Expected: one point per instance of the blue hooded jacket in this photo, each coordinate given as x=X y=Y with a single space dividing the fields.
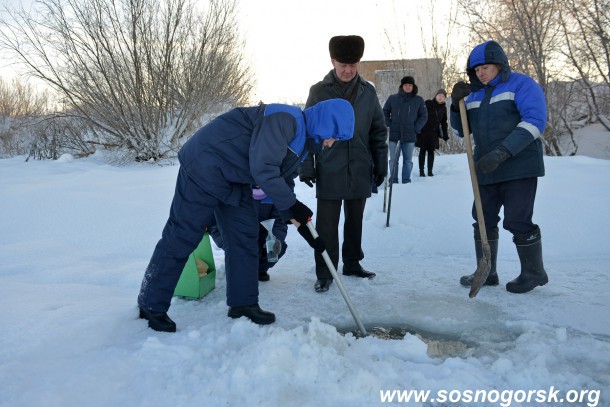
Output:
x=262 y=146
x=509 y=111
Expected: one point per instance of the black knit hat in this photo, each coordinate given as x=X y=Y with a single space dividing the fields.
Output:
x=407 y=79
x=347 y=49
x=441 y=92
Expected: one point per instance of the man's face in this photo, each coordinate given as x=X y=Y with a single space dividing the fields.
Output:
x=487 y=72
x=407 y=87
x=345 y=72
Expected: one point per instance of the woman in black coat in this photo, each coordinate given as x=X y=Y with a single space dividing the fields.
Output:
x=435 y=128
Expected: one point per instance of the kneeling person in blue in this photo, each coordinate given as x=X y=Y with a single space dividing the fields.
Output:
x=262 y=145
x=266 y=211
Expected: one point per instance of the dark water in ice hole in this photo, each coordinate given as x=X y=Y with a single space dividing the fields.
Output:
x=439 y=345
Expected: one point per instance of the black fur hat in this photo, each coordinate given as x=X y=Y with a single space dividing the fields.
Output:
x=347 y=49
x=407 y=79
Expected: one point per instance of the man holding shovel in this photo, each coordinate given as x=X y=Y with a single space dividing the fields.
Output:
x=506 y=114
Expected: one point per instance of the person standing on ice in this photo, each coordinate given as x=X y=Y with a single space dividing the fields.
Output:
x=405 y=115
x=434 y=129
x=507 y=116
x=343 y=173
x=245 y=147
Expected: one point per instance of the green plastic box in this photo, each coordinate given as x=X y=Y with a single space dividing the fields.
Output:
x=191 y=285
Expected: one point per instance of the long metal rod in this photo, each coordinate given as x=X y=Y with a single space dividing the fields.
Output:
x=392 y=174
x=335 y=275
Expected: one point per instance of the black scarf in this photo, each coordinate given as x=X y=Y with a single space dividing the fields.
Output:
x=347 y=90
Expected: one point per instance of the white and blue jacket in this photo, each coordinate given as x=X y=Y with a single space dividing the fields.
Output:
x=509 y=111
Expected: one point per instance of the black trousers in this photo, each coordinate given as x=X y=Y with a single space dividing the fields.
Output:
x=517 y=197
x=327 y=225
x=422 y=158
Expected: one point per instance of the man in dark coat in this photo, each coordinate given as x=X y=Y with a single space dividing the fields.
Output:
x=343 y=173
x=245 y=147
x=434 y=129
x=405 y=115
x=506 y=115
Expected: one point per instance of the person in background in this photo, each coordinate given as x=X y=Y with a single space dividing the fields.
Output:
x=266 y=211
x=405 y=115
x=342 y=174
x=507 y=115
x=261 y=145
x=434 y=129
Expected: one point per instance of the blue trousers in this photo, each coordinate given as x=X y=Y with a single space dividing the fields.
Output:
x=192 y=210
x=517 y=197
x=407 y=161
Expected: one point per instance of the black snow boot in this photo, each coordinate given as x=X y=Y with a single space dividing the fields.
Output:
x=430 y=164
x=421 y=172
x=252 y=312
x=159 y=321
x=529 y=248
x=492 y=239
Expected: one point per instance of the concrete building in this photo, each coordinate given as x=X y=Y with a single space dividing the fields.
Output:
x=386 y=75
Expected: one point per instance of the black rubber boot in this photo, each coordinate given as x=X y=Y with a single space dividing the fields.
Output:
x=430 y=164
x=159 y=321
x=492 y=239
x=529 y=248
x=254 y=313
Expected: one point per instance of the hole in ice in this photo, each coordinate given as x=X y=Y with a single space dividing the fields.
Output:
x=439 y=345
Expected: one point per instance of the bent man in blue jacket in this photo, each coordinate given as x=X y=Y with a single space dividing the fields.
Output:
x=506 y=115
x=219 y=165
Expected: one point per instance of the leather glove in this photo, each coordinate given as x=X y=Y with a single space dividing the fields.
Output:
x=379 y=179
x=490 y=161
x=300 y=212
x=317 y=244
x=460 y=91
x=308 y=180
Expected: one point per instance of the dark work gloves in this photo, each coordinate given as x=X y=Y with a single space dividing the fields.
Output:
x=317 y=244
x=300 y=212
x=379 y=179
x=459 y=92
x=490 y=161
x=308 y=180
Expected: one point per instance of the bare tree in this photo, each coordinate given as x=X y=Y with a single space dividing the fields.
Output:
x=140 y=73
x=21 y=106
x=586 y=29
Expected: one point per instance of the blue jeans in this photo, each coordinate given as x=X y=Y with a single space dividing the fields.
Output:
x=407 y=161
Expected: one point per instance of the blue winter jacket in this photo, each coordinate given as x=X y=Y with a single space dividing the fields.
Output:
x=509 y=111
x=262 y=146
x=405 y=115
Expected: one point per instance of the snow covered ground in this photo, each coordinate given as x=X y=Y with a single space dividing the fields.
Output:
x=76 y=235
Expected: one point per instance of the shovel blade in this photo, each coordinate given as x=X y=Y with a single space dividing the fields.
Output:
x=481 y=273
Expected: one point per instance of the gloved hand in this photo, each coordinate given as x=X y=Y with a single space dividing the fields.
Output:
x=460 y=91
x=490 y=161
x=308 y=180
x=317 y=244
x=300 y=212
x=379 y=178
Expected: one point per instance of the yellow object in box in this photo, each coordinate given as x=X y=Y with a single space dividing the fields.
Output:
x=199 y=274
